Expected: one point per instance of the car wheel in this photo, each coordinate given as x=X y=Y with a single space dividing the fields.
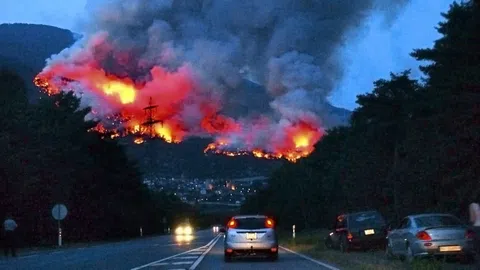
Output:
x=273 y=257
x=468 y=259
x=410 y=256
x=227 y=257
x=388 y=252
x=328 y=243
x=344 y=246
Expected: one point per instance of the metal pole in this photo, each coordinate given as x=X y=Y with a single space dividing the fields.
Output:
x=141 y=232
x=59 y=234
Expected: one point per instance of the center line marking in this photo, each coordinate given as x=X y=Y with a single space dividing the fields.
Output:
x=210 y=244
x=178 y=263
x=160 y=264
x=199 y=260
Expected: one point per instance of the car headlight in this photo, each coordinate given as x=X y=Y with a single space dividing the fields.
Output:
x=188 y=230
x=179 y=230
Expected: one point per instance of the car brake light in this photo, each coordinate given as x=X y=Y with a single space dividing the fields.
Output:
x=232 y=223
x=469 y=234
x=423 y=235
x=349 y=236
x=269 y=223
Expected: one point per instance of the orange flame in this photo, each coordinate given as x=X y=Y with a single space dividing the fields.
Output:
x=301 y=137
x=130 y=100
x=124 y=91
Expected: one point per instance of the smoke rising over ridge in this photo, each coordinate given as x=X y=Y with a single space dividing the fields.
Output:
x=189 y=55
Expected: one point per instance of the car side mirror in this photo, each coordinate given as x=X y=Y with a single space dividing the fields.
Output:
x=222 y=230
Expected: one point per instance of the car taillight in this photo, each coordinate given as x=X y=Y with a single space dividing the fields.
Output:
x=349 y=236
x=423 y=235
x=469 y=234
x=269 y=223
x=232 y=223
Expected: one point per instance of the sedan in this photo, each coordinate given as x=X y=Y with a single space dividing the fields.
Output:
x=430 y=235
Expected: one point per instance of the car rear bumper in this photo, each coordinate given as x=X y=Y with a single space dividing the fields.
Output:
x=248 y=246
x=421 y=248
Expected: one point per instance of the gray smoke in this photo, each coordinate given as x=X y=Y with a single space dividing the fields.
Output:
x=289 y=46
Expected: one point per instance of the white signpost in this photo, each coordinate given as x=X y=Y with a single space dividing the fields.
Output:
x=59 y=212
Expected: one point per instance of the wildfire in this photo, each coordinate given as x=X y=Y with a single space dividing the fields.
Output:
x=168 y=105
x=301 y=138
x=125 y=92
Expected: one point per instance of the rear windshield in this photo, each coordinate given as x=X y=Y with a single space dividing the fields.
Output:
x=437 y=221
x=365 y=220
x=250 y=223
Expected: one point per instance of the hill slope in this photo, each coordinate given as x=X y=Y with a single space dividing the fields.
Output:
x=25 y=47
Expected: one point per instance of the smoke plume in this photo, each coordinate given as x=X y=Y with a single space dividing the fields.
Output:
x=192 y=57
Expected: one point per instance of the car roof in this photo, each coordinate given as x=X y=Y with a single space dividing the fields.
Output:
x=360 y=212
x=249 y=216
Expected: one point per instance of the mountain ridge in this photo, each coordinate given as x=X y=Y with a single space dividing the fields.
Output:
x=24 y=48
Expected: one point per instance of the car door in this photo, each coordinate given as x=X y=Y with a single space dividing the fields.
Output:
x=405 y=235
x=396 y=237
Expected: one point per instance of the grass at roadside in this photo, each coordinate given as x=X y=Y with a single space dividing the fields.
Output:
x=311 y=243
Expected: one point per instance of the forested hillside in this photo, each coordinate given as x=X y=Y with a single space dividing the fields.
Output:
x=412 y=146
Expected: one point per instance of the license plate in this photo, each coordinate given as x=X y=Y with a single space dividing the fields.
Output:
x=450 y=248
x=251 y=236
x=369 y=232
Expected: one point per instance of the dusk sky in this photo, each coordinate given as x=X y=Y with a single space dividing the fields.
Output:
x=380 y=47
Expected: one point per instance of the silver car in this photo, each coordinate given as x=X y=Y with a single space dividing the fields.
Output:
x=430 y=235
x=251 y=236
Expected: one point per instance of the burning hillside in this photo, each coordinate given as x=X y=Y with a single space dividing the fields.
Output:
x=132 y=112
x=167 y=69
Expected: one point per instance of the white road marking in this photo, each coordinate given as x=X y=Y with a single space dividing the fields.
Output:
x=176 y=255
x=57 y=252
x=199 y=260
x=178 y=263
x=160 y=264
x=311 y=259
x=186 y=257
x=29 y=256
x=162 y=260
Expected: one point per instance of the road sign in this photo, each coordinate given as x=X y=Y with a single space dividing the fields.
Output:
x=59 y=211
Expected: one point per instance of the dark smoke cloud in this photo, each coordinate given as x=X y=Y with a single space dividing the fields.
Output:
x=289 y=46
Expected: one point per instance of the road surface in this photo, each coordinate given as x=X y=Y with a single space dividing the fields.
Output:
x=203 y=251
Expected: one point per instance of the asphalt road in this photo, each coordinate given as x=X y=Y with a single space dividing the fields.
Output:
x=120 y=255
x=203 y=251
x=287 y=260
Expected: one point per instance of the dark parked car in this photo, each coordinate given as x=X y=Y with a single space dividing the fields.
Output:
x=357 y=230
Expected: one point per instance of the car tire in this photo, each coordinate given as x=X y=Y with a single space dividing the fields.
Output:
x=344 y=245
x=410 y=256
x=227 y=257
x=468 y=259
x=388 y=253
x=328 y=243
x=273 y=257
